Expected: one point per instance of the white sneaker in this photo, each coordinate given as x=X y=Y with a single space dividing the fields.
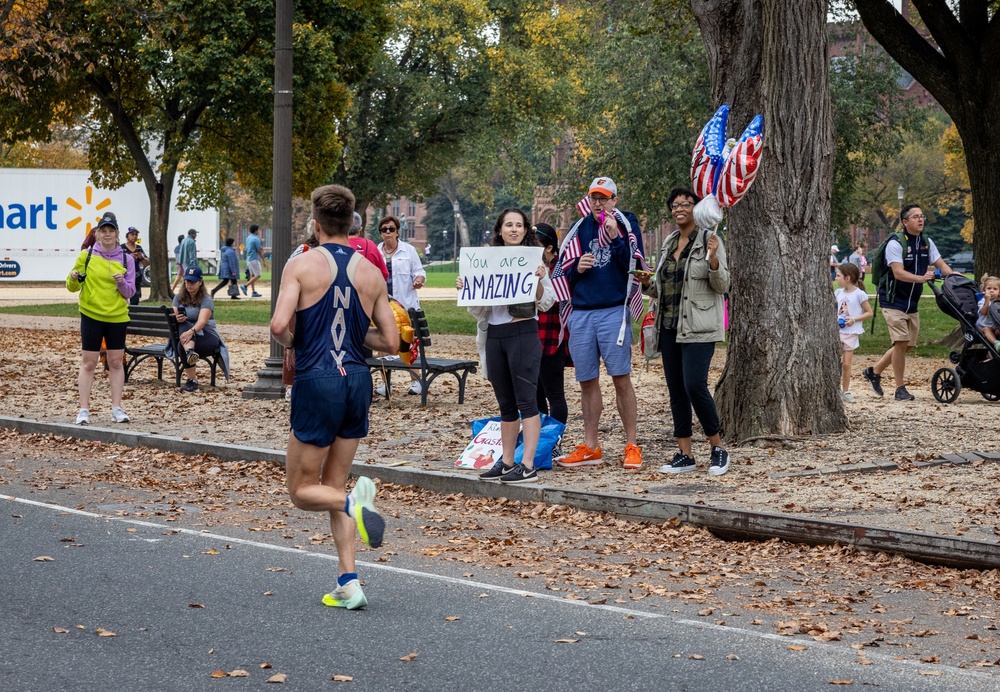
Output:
x=118 y=415
x=83 y=417
x=847 y=397
x=415 y=388
x=380 y=390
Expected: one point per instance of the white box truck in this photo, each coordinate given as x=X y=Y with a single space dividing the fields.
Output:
x=46 y=214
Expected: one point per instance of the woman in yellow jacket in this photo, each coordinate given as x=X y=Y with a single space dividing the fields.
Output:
x=104 y=275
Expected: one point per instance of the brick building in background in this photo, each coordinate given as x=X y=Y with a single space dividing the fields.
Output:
x=415 y=229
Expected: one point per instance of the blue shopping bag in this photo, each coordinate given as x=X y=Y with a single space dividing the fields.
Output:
x=552 y=430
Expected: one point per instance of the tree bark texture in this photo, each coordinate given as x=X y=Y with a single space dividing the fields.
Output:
x=960 y=70
x=783 y=364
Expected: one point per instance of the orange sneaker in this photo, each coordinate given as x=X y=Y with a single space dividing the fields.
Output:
x=581 y=456
x=633 y=457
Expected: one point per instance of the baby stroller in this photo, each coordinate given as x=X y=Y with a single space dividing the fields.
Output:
x=977 y=365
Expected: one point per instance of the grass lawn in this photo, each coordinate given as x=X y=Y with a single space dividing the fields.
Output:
x=445 y=317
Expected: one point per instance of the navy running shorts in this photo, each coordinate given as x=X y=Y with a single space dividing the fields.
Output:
x=327 y=404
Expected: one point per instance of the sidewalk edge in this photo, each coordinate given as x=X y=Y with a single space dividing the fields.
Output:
x=727 y=523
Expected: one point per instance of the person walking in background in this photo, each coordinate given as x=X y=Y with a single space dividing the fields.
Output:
x=551 y=394
x=254 y=251
x=140 y=259
x=405 y=276
x=229 y=270
x=104 y=276
x=327 y=285
x=178 y=269
x=187 y=257
x=910 y=265
x=690 y=284
x=858 y=259
x=596 y=256
x=852 y=309
x=511 y=356
x=834 y=262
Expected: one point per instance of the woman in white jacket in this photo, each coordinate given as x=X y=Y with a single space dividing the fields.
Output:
x=511 y=356
x=406 y=275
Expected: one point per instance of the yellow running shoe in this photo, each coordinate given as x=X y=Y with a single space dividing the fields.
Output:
x=348 y=596
x=361 y=507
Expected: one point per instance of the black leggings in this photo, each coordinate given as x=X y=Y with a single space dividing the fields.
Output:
x=513 y=356
x=223 y=283
x=205 y=344
x=551 y=386
x=686 y=369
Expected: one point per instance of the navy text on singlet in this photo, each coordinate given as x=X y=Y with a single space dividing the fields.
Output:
x=330 y=334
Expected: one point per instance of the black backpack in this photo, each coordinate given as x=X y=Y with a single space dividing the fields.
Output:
x=876 y=261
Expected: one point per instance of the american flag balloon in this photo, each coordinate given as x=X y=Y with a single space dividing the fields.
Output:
x=741 y=165
x=706 y=159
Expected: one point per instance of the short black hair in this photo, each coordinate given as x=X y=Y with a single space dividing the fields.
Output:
x=253 y=229
x=906 y=210
x=230 y=241
x=681 y=192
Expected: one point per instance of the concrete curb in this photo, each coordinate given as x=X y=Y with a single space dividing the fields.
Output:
x=727 y=523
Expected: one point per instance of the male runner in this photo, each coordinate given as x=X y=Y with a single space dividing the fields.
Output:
x=333 y=295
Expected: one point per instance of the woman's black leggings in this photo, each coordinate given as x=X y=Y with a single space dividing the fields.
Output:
x=205 y=344
x=551 y=386
x=686 y=370
x=513 y=356
x=223 y=283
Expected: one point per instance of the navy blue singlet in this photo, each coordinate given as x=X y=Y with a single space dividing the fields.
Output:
x=330 y=334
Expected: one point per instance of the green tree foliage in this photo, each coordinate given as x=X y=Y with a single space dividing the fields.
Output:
x=457 y=80
x=184 y=85
x=871 y=119
x=647 y=96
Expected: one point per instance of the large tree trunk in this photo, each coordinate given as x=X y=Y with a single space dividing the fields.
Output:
x=981 y=140
x=782 y=372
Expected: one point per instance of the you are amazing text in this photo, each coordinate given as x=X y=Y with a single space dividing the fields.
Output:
x=499 y=286
x=498 y=275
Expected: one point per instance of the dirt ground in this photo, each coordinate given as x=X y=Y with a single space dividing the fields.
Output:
x=38 y=381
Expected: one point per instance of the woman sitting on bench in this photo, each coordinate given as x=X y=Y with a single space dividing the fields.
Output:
x=194 y=307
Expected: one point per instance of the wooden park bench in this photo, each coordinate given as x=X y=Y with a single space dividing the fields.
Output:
x=428 y=368
x=158 y=321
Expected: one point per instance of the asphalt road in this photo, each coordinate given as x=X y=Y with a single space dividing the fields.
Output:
x=147 y=583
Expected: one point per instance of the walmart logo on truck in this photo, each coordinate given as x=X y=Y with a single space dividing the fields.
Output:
x=30 y=217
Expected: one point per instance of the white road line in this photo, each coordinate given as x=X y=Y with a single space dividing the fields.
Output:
x=886 y=658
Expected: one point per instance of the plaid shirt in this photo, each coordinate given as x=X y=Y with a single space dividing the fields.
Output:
x=672 y=282
x=549 y=328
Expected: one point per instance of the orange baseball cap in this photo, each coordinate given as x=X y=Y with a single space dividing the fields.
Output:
x=604 y=186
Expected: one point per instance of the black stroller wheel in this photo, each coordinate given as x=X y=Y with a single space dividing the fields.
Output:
x=991 y=397
x=946 y=385
x=955 y=356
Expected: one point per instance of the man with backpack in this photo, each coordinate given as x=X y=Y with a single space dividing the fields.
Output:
x=900 y=268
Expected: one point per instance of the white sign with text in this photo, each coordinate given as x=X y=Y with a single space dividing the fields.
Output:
x=498 y=275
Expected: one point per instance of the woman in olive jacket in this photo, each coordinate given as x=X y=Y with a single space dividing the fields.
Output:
x=689 y=285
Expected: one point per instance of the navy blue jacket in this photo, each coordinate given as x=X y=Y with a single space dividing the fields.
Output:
x=606 y=283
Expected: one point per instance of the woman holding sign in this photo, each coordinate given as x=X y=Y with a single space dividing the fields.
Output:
x=510 y=353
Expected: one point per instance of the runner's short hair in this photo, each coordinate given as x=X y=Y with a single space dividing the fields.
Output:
x=333 y=209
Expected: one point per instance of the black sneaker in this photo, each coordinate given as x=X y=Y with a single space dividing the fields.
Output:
x=191 y=358
x=495 y=471
x=903 y=395
x=520 y=474
x=190 y=386
x=719 y=462
x=681 y=463
x=874 y=380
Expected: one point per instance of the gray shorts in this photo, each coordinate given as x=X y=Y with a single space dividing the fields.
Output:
x=254 y=267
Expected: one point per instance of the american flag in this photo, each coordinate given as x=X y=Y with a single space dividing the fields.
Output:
x=571 y=250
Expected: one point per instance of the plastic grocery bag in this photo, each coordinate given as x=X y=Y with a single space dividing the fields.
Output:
x=485 y=448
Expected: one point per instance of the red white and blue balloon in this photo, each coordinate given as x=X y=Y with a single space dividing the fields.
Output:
x=725 y=170
x=706 y=160
x=741 y=165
